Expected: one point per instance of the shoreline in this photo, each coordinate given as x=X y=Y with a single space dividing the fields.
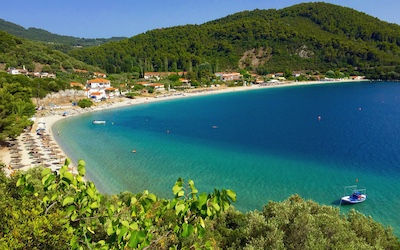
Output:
x=47 y=146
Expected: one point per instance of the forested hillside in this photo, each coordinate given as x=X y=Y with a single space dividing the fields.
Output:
x=64 y=43
x=309 y=36
x=16 y=52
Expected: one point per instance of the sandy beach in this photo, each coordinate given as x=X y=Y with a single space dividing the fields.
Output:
x=33 y=149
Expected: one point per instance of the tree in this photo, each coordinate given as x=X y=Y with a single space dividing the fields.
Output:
x=49 y=210
x=85 y=103
x=134 y=221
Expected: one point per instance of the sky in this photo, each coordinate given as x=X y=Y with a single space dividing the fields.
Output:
x=127 y=18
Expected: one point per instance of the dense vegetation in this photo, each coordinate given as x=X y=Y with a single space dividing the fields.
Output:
x=16 y=52
x=44 y=210
x=16 y=107
x=63 y=43
x=311 y=36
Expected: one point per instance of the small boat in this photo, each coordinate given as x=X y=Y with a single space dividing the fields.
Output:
x=99 y=122
x=356 y=195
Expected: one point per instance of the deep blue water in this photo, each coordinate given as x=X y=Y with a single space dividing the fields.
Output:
x=264 y=144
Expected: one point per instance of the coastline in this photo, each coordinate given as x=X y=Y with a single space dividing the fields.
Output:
x=48 y=149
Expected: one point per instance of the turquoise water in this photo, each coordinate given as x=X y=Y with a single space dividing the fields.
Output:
x=265 y=145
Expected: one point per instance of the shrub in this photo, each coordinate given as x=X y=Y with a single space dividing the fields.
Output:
x=85 y=103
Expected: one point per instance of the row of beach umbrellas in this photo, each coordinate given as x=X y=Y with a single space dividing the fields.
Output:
x=41 y=151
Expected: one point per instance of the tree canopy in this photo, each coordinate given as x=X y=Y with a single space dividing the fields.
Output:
x=309 y=36
x=45 y=210
x=16 y=107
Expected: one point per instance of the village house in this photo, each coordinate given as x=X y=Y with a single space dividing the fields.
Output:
x=144 y=84
x=99 y=75
x=14 y=71
x=270 y=75
x=158 y=86
x=99 y=89
x=155 y=75
x=296 y=73
x=357 y=77
x=223 y=76
x=43 y=75
x=24 y=71
x=185 y=82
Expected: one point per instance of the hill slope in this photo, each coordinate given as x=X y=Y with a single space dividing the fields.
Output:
x=315 y=36
x=16 y=52
x=64 y=43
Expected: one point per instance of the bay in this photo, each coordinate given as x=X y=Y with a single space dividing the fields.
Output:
x=264 y=144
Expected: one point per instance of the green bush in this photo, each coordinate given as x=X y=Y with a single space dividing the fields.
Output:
x=85 y=103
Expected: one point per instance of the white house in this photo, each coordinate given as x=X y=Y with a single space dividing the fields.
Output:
x=100 y=88
x=158 y=86
x=14 y=71
x=223 y=76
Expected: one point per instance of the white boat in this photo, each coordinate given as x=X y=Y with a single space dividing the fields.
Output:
x=99 y=122
x=356 y=195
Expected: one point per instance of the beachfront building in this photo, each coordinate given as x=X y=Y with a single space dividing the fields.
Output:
x=357 y=77
x=100 y=88
x=158 y=86
x=223 y=76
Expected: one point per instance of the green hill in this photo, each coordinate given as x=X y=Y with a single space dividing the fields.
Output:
x=64 y=43
x=309 y=36
x=35 y=56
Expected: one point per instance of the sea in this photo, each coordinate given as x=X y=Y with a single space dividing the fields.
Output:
x=265 y=144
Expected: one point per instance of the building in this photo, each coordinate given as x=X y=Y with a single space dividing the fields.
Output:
x=14 y=71
x=158 y=86
x=223 y=76
x=156 y=75
x=99 y=75
x=100 y=88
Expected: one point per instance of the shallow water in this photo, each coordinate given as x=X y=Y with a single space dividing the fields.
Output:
x=265 y=145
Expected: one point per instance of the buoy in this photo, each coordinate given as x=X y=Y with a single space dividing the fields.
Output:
x=319 y=118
